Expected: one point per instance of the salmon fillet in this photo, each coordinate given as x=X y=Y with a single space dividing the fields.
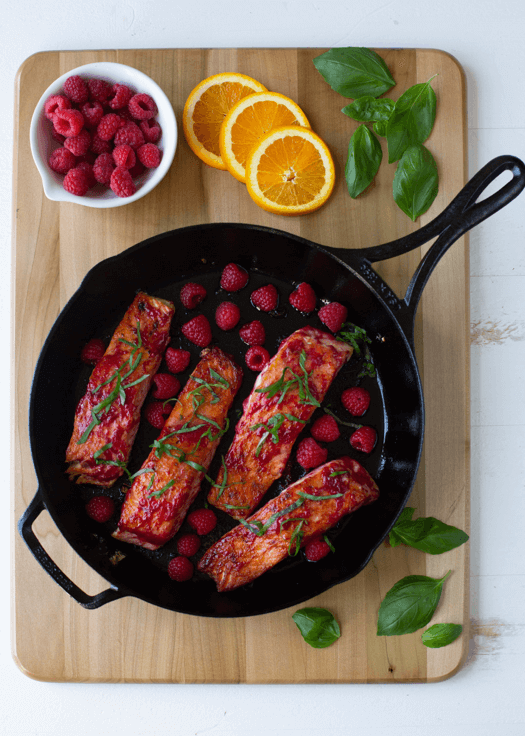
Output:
x=170 y=478
x=107 y=417
x=304 y=510
x=285 y=395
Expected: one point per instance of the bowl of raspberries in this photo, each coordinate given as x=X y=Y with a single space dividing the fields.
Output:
x=103 y=135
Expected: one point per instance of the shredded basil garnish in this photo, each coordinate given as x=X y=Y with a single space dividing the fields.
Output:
x=282 y=386
x=338 y=472
x=272 y=429
x=158 y=493
x=259 y=529
x=297 y=536
x=311 y=497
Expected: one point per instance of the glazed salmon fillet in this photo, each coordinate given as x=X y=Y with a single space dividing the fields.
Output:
x=285 y=395
x=304 y=510
x=169 y=480
x=108 y=415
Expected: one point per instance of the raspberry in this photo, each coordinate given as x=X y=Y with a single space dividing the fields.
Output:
x=180 y=569
x=119 y=96
x=92 y=112
x=61 y=160
x=149 y=155
x=76 y=89
x=233 y=277
x=198 y=331
x=325 y=429
x=188 y=545
x=142 y=106
x=256 y=358
x=253 y=333
x=100 y=508
x=103 y=168
x=167 y=386
x=203 y=521
x=78 y=144
x=92 y=351
x=54 y=103
x=227 y=315
x=108 y=126
x=121 y=183
x=57 y=136
x=68 y=122
x=99 y=146
x=356 y=400
x=177 y=360
x=125 y=115
x=124 y=156
x=363 y=439
x=310 y=454
x=99 y=90
x=136 y=170
x=265 y=298
x=192 y=294
x=303 y=298
x=316 y=550
x=76 y=182
x=151 y=130
x=87 y=168
x=129 y=134
x=333 y=315
x=155 y=414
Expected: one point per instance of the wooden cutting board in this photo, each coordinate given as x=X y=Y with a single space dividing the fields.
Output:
x=54 y=245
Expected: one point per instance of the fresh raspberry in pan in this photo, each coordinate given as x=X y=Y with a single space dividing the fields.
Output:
x=99 y=146
x=108 y=126
x=325 y=429
x=180 y=569
x=54 y=103
x=155 y=412
x=166 y=386
x=149 y=155
x=92 y=112
x=310 y=454
x=142 y=106
x=253 y=333
x=303 y=298
x=68 y=122
x=188 y=545
x=129 y=134
x=92 y=351
x=99 y=90
x=151 y=130
x=124 y=156
x=121 y=183
x=265 y=298
x=227 y=315
x=76 y=182
x=355 y=400
x=103 y=167
x=198 y=331
x=87 y=168
x=364 y=439
x=61 y=160
x=233 y=278
x=119 y=96
x=333 y=315
x=76 y=89
x=316 y=550
x=203 y=521
x=78 y=144
x=257 y=358
x=100 y=508
x=177 y=360
x=192 y=294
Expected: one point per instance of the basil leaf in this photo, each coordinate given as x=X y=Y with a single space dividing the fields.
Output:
x=415 y=181
x=405 y=516
x=412 y=120
x=426 y=534
x=318 y=626
x=364 y=158
x=440 y=635
x=380 y=128
x=354 y=72
x=409 y=604
x=369 y=110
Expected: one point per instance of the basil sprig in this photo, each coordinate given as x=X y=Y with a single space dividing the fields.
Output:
x=426 y=533
x=363 y=161
x=439 y=635
x=409 y=604
x=318 y=626
x=354 y=72
x=416 y=181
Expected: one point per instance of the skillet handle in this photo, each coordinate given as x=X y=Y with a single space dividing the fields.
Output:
x=26 y=532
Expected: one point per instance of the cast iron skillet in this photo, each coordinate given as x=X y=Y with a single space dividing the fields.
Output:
x=160 y=266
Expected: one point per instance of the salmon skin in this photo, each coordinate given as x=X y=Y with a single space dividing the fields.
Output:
x=285 y=395
x=169 y=480
x=107 y=417
x=303 y=511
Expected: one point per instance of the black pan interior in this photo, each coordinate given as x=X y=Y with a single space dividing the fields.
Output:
x=161 y=266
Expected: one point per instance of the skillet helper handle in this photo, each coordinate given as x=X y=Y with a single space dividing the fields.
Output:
x=25 y=528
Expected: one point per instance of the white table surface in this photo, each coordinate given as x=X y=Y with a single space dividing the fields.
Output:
x=488 y=695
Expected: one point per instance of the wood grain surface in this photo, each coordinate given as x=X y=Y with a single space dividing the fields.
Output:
x=54 y=245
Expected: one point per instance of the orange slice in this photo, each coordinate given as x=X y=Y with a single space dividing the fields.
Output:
x=290 y=171
x=249 y=120
x=206 y=108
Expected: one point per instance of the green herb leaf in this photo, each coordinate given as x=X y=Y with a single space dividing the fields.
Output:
x=318 y=626
x=345 y=424
x=354 y=72
x=364 y=158
x=409 y=604
x=412 y=119
x=369 y=110
x=380 y=128
x=337 y=472
x=312 y=497
x=220 y=379
x=99 y=452
x=158 y=493
x=297 y=536
x=416 y=181
x=353 y=335
x=329 y=543
x=440 y=635
x=426 y=534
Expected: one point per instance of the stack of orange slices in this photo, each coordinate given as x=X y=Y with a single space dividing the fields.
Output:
x=232 y=122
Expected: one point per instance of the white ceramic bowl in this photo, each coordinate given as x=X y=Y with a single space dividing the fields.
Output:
x=42 y=142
